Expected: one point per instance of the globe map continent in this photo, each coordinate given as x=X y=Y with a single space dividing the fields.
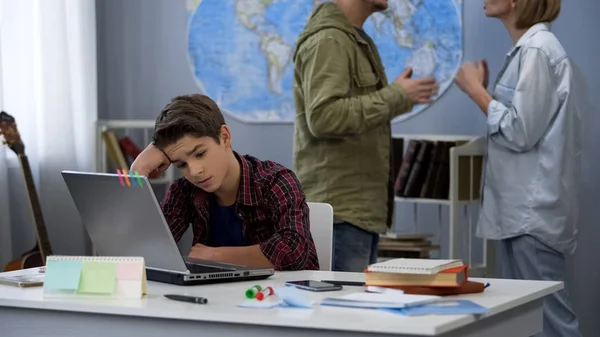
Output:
x=241 y=51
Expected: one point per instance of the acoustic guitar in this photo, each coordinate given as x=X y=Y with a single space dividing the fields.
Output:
x=37 y=256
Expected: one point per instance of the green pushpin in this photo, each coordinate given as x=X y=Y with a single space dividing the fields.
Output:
x=251 y=293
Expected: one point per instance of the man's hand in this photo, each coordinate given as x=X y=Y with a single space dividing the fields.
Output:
x=420 y=90
x=150 y=160
x=202 y=252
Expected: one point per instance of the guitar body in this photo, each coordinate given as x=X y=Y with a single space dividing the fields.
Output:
x=31 y=259
x=37 y=256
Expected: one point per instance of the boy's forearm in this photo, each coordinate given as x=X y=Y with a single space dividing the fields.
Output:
x=250 y=256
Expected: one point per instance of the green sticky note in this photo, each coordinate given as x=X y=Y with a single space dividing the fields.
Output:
x=62 y=275
x=97 y=277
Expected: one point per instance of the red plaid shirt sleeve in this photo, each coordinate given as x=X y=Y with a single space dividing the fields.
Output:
x=177 y=208
x=292 y=246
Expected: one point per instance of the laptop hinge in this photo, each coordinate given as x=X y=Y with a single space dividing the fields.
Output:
x=187 y=272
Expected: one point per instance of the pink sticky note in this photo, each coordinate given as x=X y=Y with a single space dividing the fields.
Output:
x=129 y=271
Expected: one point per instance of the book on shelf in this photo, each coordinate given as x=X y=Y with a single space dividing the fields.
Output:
x=405 y=167
x=405 y=236
x=397 y=245
x=122 y=151
x=115 y=154
x=397 y=155
x=418 y=171
x=425 y=171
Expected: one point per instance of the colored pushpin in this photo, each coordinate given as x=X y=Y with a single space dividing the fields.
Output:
x=268 y=291
x=251 y=293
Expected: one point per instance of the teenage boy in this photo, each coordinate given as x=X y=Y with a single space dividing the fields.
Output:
x=242 y=210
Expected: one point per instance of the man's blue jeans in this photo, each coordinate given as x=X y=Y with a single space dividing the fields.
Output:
x=353 y=248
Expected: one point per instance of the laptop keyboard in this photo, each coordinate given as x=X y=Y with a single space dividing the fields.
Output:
x=199 y=269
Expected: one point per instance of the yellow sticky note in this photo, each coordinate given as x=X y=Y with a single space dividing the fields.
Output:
x=97 y=277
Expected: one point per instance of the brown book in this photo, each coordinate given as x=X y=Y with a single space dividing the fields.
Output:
x=432 y=171
x=115 y=154
x=418 y=170
x=469 y=287
x=442 y=180
x=453 y=277
x=411 y=151
x=469 y=166
x=131 y=151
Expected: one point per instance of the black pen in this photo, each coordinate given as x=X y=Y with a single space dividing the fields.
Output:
x=344 y=283
x=191 y=299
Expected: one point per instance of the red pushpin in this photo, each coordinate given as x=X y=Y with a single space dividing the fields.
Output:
x=268 y=291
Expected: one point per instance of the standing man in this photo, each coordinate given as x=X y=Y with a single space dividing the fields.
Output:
x=342 y=136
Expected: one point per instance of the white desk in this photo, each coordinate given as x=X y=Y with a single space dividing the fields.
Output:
x=515 y=309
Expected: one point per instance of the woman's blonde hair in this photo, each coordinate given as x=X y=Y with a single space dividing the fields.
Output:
x=530 y=12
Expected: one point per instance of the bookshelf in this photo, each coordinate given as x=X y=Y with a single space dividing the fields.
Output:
x=465 y=167
x=140 y=131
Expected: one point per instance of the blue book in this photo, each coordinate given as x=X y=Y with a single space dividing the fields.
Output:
x=449 y=307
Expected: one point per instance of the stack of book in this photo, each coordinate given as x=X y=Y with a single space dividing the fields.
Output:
x=423 y=276
x=395 y=245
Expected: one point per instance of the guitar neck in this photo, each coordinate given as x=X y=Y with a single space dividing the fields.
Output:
x=40 y=226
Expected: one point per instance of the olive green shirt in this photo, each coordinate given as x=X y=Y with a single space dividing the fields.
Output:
x=342 y=132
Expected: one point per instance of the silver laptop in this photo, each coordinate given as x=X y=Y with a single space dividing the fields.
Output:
x=123 y=218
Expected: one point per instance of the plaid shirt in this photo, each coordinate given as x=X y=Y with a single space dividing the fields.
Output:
x=270 y=204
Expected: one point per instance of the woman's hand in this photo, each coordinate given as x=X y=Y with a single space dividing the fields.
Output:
x=473 y=80
x=483 y=68
x=469 y=77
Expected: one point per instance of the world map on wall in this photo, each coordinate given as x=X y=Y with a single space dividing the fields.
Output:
x=241 y=51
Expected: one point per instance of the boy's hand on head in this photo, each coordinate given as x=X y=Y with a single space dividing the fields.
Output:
x=202 y=252
x=150 y=160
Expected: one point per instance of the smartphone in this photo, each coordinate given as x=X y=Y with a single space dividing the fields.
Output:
x=313 y=285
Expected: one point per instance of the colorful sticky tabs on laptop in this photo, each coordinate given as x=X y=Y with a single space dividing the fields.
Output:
x=97 y=277
x=126 y=176
x=139 y=179
x=120 y=177
x=62 y=275
x=131 y=177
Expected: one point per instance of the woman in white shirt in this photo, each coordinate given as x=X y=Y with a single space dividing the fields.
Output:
x=530 y=186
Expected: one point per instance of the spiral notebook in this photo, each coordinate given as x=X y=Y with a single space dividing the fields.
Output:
x=413 y=266
x=95 y=276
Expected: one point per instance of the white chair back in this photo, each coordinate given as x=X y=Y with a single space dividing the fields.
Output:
x=321 y=228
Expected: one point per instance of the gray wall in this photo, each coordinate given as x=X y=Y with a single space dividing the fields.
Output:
x=142 y=57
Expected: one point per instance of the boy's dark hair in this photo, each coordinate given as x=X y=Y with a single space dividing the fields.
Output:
x=189 y=115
